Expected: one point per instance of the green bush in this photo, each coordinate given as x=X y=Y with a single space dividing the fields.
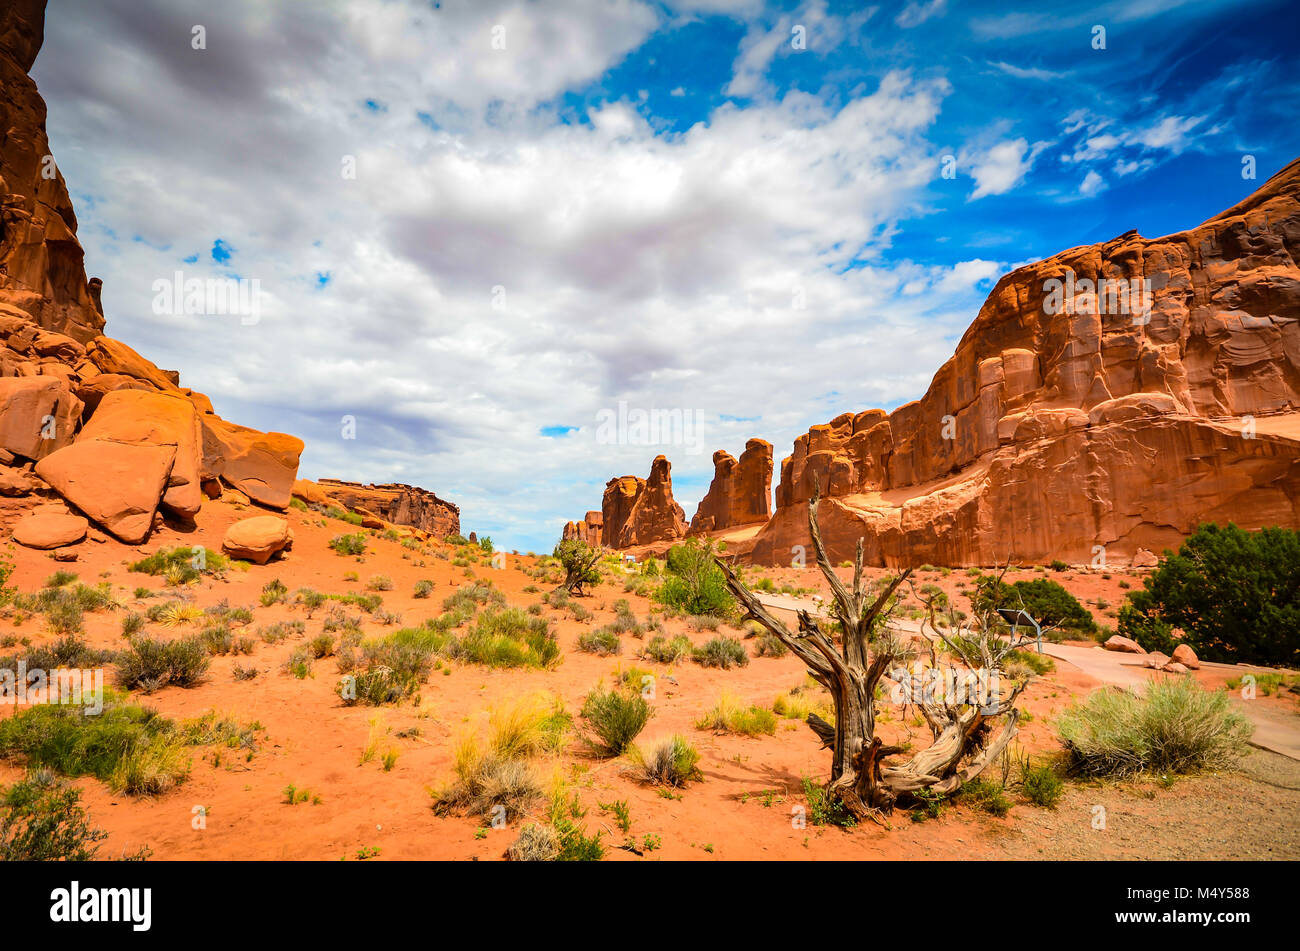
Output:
x=42 y=820
x=1041 y=785
x=1175 y=726
x=507 y=637
x=579 y=562
x=614 y=718
x=1046 y=601
x=673 y=761
x=664 y=651
x=1234 y=594
x=182 y=565
x=353 y=544
x=694 y=584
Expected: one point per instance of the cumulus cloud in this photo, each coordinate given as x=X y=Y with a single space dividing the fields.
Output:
x=495 y=268
x=1002 y=166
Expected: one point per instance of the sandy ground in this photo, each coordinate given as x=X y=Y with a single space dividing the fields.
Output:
x=746 y=807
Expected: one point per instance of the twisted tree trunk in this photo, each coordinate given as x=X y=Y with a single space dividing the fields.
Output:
x=860 y=778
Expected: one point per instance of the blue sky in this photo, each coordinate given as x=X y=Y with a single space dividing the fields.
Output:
x=557 y=208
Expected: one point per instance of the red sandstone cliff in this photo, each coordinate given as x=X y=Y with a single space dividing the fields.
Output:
x=392 y=502
x=1062 y=434
x=741 y=490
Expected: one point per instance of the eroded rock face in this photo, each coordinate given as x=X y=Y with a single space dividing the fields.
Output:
x=397 y=503
x=71 y=399
x=741 y=490
x=1076 y=425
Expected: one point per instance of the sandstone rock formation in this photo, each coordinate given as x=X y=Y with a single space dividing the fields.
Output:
x=257 y=539
x=588 y=530
x=396 y=503
x=1078 y=421
x=638 y=511
x=87 y=409
x=741 y=490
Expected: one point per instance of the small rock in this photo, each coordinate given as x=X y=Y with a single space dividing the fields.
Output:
x=1173 y=667
x=1145 y=559
x=1123 y=644
x=1156 y=660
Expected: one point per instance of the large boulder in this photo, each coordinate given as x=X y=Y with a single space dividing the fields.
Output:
x=50 y=529
x=1183 y=654
x=118 y=485
x=1123 y=644
x=146 y=418
x=38 y=415
x=258 y=539
x=262 y=465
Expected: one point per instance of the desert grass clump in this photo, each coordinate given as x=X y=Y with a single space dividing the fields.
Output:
x=529 y=726
x=730 y=715
x=724 y=652
x=508 y=637
x=380 y=583
x=423 y=588
x=1175 y=726
x=130 y=747
x=603 y=641
x=613 y=719
x=536 y=843
x=150 y=663
x=769 y=645
x=671 y=761
x=485 y=781
x=274 y=591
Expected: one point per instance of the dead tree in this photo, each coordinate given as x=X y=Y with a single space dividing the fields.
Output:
x=861 y=780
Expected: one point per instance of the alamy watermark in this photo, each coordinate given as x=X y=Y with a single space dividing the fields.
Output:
x=178 y=296
x=1104 y=296
x=634 y=426
x=65 y=686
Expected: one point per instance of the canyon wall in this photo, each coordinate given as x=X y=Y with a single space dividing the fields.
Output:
x=1074 y=424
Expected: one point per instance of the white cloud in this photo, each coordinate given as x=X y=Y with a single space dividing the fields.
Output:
x=1001 y=167
x=1093 y=184
x=656 y=269
x=1025 y=72
x=918 y=11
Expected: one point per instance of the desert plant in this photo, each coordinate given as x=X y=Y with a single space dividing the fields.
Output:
x=664 y=651
x=603 y=641
x=672 y=761
x=730 y=715
x=579 y=562
x=42 y=820
x=353 y=544
x=694 y=584
x=613 y=719
x=1234 y=594
x=724 y=652
x=1173 y=726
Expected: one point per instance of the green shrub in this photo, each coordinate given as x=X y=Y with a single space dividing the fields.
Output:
x=732 y=716
x=579 y=562
x=274 y=592
x=1041 y=785
x=661 y=650
x=724 y=652
x=769 y=645
x=603 y=641
x=508 y=637
x=985 y=795
x=1046 y=601
x=354 y=544
x=149 y=663
x=1175 y=726
x=1234 y=594
x=42 y=820
x=614 y=718
x=182 y=565
x=423 y=588
x=694 y=584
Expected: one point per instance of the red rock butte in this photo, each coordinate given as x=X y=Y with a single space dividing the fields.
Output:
x=1104 y=402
